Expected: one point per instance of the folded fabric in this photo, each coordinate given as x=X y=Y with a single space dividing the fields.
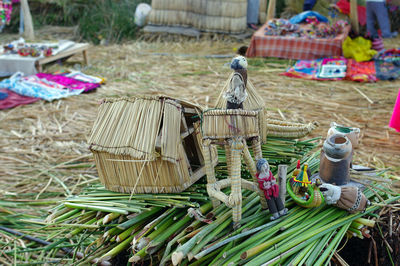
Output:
x=84 y=77
x=30 y=86
x=395 y=120
x=386 y=70
x=361 y=71
x=14 y=99
x=69 y=83
x=305 y=69
x=304 y=15
x=333 y=68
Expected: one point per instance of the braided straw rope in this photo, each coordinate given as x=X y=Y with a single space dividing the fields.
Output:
x=256 y=146
x=235 y=198
x=252 y=168
x=211 y=180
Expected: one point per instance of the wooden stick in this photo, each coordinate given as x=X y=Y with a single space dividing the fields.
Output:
x=271 y=9
x=354 y=16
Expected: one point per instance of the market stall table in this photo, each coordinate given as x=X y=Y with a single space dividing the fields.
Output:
x=29 y=65
x=291 y=47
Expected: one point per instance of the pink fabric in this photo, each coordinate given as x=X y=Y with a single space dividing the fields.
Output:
x=395 y=120
x=15 y=99
x=344 y=6
x=69 y=83
x=273 y=190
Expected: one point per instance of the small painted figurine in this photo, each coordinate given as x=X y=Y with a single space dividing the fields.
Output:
x=236 y=93
x=267 y=184
x=348 y=198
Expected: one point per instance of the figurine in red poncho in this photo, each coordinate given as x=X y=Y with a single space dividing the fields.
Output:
x=267 y=184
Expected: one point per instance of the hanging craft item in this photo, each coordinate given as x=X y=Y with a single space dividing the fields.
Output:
x=304 y=192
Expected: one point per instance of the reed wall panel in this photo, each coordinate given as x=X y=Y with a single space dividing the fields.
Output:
x=206 y=15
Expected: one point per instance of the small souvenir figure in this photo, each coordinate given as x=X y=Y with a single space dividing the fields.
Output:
x=267 y=184
x=236 y=94
x=348 y=198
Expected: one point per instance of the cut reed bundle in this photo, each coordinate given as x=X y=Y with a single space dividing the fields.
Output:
x=284 y=129
x=147 y=144
x=205 y=15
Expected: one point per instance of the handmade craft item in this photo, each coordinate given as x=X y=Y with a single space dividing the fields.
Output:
x=267 y=183
x=236 y=93
x=304 y=192
x=352 y=133
x=348 y=198
x=149 y=144
x=335 y=160
x=231 y=128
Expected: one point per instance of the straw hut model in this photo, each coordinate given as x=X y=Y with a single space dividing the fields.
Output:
x=148 y=144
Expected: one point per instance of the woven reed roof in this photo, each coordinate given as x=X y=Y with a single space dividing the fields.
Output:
x=134 y=126
x=253 y=101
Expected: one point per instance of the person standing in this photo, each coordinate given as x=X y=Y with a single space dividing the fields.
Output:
x=377 y=11
x=253 y=7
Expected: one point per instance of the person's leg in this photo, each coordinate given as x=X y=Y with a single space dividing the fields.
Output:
x=371 y=20
x=383 y=19
x=253 y=7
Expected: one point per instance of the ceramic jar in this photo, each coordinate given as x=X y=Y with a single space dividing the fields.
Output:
x=336 y=158
x=352 y=133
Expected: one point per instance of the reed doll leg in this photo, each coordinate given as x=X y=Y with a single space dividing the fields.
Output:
x=252 y=168
x=256 y=146
x=228 y=154
x=211 y=180
x=235 y=198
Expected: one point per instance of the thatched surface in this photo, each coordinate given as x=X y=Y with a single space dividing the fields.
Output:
x=43 y=142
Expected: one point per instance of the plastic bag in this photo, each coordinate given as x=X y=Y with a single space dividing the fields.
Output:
x=358 y=48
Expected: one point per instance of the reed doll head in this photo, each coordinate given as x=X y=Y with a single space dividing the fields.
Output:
x=239 y=62
x=262 y=165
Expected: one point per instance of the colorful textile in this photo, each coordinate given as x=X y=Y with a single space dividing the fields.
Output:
x=312 y=29
x=333 y=68
x=319 y=69
x=32 y=87
x=304 y=15
x=387 y=70
x=268 y=185
x=14 y=99
x=387 y=64
x=84 y=77
x=358 y=48
x=361 y=71
x=70 y=83
x=395 y=120
x=295 y=48
x=344 y=7
x=305 y=69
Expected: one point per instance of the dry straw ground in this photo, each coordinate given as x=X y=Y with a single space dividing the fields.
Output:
x=43 y=145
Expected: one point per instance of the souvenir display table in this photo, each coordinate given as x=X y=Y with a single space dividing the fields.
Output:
x=293 y=47
x=14 y=62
